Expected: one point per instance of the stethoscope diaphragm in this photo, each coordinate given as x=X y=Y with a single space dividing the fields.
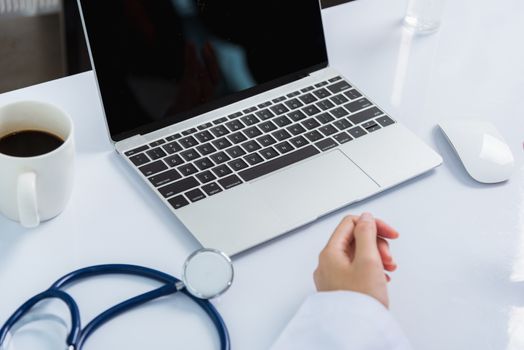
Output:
x=207 y=273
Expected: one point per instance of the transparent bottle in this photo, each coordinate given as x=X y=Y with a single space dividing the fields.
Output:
x=424 y=15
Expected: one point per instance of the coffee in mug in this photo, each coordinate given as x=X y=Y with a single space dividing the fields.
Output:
x=36 y=161
x=29 y=143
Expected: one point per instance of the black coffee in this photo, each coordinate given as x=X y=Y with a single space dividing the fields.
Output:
x=29 y=143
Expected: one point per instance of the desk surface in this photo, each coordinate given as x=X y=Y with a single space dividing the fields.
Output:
x=461 y=252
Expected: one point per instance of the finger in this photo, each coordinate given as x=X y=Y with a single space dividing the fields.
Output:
x=386 y=231
x=383 y=248
x=366 y=237
x=342 y=236
x=385 y=254
x=390 y=268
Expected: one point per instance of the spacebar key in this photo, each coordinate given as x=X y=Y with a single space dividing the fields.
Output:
x=278 y=163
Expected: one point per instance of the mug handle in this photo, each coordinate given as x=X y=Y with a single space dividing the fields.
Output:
x=26 y=195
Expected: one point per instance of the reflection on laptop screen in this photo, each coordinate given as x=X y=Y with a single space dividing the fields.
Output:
x=163 y=61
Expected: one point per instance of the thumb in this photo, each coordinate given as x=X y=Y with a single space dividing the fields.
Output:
x=342 y=237
x=366 y=237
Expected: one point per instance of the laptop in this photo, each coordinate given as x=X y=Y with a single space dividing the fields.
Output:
x=230 y=113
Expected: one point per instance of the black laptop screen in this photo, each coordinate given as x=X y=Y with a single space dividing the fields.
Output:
x=163 y=61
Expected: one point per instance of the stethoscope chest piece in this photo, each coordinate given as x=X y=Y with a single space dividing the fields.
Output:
x=207 y=273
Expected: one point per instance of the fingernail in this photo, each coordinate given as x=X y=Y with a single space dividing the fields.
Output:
x=366 y=217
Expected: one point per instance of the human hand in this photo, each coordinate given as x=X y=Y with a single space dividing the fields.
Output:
x=356 y=257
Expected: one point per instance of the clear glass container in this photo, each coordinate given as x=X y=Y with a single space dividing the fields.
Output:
x=424 y=15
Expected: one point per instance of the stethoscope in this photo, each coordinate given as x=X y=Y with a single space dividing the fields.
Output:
x=207 y=273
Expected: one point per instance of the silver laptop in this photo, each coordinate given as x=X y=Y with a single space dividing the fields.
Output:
x=230 y=113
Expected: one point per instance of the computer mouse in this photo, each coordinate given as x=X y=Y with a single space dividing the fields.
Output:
x=481 y=148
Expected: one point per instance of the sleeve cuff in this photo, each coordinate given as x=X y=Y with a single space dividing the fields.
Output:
x=342 y=320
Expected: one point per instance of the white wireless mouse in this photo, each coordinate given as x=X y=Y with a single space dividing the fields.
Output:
x=481 y=148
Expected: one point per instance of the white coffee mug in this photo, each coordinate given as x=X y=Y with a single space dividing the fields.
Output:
x=36 y=188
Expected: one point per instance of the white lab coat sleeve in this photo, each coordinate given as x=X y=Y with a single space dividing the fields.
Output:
x=342 y=321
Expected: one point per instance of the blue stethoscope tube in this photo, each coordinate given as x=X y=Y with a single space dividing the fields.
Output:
x=78 y=336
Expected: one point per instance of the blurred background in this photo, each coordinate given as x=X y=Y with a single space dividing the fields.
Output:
x=42 y=40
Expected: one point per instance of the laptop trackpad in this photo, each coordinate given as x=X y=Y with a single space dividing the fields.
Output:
x=305 y=191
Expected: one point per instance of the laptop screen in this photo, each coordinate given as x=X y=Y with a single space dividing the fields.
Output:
x=163 y=61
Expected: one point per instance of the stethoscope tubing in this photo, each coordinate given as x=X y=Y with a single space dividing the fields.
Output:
x=76 y=327
x=113 y=269
x=78 y=336
x=119 y=309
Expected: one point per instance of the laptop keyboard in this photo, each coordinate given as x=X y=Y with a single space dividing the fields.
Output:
x=213 y=157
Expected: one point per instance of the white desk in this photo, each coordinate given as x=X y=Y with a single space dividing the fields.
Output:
x=461 y=253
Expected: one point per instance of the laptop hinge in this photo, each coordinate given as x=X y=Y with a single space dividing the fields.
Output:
x=129 y=143
x=324 y=73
